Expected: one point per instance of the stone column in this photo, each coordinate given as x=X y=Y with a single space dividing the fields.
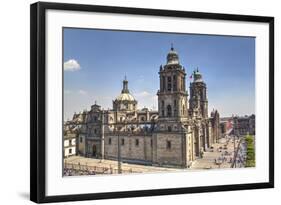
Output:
x=102 y=135
x=198 y=141
x=183 y=83
x=206 y=137
x=178 y=82
x=192 y=146
x=161 y=83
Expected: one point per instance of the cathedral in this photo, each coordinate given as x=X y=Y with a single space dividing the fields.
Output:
x=173 y=136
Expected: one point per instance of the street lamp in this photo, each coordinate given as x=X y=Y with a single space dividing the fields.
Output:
x=119 y=154
x=234 y=154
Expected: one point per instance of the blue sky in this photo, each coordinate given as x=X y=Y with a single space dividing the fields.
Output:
x=96 y=61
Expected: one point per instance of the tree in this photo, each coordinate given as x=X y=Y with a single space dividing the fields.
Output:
x=250 y=160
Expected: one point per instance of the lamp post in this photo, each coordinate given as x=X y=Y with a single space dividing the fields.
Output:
x=119 y=154
x=234 y=157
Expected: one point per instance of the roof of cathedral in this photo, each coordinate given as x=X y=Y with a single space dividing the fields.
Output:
x=125 y=93
x=125 y=97
x=172 y=57
x=197 y=76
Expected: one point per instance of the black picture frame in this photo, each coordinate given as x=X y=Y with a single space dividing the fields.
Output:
x=38 y=101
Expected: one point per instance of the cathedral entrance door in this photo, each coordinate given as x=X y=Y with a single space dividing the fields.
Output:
x=94 y=150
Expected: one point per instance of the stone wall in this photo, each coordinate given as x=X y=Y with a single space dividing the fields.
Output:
x=169 y=149
x=132 y=147
x=81 y=144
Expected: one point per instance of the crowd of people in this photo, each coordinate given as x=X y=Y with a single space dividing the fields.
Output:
x=229 y=157
x=241 y=155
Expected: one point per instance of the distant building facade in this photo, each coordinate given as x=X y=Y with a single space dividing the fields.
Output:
x=69 y=143
x=174 y=135
x=244 y=125
x=226 y=125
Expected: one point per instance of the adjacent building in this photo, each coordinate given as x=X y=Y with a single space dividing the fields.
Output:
x=69 y=142
x=226 y=126
x=244 y=125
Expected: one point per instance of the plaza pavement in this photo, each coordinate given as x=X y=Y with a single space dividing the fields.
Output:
x=207 y=162
x=112 y=164
x=210 y=159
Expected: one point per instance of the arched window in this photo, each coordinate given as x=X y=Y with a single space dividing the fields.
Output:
x=182 y=83
x=169 y=129
x=174 y=83
x=175 y=108
x=169 y=111
x=162 y=103
x=169 y=83
x=168 y=144
x=183 y=110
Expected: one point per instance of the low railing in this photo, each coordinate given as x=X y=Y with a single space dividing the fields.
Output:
x=71 y=169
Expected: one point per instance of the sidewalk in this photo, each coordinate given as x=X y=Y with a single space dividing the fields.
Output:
x=134 y=168
x=212 y=159
x=211 y=156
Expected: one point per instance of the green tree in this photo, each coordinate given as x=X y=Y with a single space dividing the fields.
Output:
x=250 y=160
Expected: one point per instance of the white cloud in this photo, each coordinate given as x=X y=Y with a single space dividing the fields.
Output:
x=143 y=94
x=82 y=92
x=147 y=99
x=71 y=65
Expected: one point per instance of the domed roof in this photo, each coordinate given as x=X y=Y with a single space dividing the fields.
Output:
x=172 y=52
x=197 y=76
x=125 y=97
x=125 y=93
x=172 y=57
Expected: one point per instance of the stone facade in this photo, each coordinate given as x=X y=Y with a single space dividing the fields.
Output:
x=244 y=125
x=174 y=135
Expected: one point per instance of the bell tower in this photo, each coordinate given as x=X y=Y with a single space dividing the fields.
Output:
x=198 y=96
x=171 y=137
x=172 y=96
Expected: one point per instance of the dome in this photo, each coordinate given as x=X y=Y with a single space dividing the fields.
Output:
x=125 y=93
x=172 y=57
x=172 y=52
x=125 y=101
x=197 y=76
x=125 y=97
